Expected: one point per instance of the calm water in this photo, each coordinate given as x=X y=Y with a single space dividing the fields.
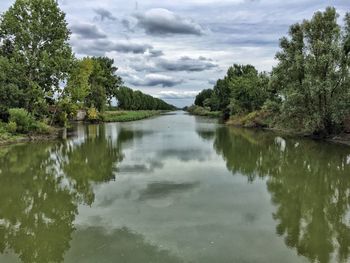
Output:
x=175 y=188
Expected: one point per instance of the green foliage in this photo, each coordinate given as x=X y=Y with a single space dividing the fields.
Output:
x=8 y=132
x=103 y=82
x=203 y=111
x=78 y=86
x=203 y=97
x=12 y=127
x=125 y=116
x=65 y=110
x=11 y=95
x=61 y=118
x=243 y=89
x=22 y=118
x=42 y=128
x=313 y=74
x=92 y=114
x=272 y=106
x=248 y=88
x=34 y=48
x=129 y=99
x=22 y=121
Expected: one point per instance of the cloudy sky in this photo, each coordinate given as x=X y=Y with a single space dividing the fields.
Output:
x=173 y=49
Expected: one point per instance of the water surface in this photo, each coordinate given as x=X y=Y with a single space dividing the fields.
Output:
x=174 y=188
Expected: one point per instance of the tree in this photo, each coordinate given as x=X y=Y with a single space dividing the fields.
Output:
x=108 y=77
x=104 y=83
x=202 y=96
x=11 y=96
x=34 y=35
x=78 y=86
x=136 y=100
x=248 y=88
x=313 y=73
x=243 y=89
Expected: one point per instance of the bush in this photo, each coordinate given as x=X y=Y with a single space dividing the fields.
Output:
x=11 y=127
x=3 y=127
x=92 y=114
x=42 y=127
x=254 y=119
x=62 y=119
x=203 y=111
x=272 y=106
x=22 y=118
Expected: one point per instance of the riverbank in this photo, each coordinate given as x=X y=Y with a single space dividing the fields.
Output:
x=53 y=133
x=263 y=120
x=201 y=111
x=8 y=138
x=125 y=116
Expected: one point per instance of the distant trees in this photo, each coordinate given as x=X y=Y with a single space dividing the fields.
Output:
x=243 y=89
x=308 y=90
x=129 y=99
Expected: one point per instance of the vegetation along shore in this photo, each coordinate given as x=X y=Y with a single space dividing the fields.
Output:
x=43 y=85
x=307 y=92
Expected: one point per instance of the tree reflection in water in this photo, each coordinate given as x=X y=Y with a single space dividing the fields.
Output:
x=309 y=183
x=41 y=186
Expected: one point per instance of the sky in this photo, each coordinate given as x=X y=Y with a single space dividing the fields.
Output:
x=172 y=49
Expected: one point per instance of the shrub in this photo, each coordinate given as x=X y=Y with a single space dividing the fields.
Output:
x=272 y=106
x=3 y=127
x=42 y=127
x=12 y=127
x=92 y=114
x=62 y=118
x=23 y=119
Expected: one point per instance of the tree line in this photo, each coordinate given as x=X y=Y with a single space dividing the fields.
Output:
x=309 y=88
x=40 y=74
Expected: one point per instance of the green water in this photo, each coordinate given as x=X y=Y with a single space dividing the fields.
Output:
x=174 y=188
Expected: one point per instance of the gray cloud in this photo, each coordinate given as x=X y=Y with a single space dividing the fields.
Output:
x=164 y=189
x=187 y=64
x=155 y=53
x=212 y=81
x=104 y=14
x=156 y=80
x=100 y=47
x=164 y=22
x=130 y=47
x=88 y=31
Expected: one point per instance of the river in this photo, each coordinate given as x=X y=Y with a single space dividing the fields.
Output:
x=174 y=188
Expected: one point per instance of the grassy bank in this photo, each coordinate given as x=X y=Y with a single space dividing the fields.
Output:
x=255 y=119
x=8 y=138
x=124 y=116
x=266 y=120
x=22 y=126
x=200 y=111
x=12 y=138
